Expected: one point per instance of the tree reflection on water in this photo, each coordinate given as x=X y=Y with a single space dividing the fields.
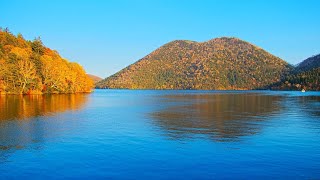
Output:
x=22 y=107
x=18 y=118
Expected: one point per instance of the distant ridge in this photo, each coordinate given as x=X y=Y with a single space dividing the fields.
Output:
x=310 y=63
x=222 y=63
x=306 y=76
x=94 y=78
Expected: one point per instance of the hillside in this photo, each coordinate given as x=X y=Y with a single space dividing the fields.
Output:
x=221 y=63
x=309 y=64
x=305 y=76
x=28 y=67
x=94 y=78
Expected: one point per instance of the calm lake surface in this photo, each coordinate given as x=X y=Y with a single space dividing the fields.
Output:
x=127 y=134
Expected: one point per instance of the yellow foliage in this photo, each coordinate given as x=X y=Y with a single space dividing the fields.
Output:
x=30 y=68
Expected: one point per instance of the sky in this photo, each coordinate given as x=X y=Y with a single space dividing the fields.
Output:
x=105 y=36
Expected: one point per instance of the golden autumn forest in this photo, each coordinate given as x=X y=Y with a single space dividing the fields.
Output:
x=29 y=67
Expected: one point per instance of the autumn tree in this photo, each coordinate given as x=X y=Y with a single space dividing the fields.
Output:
x=37 y=46
x=26 y=75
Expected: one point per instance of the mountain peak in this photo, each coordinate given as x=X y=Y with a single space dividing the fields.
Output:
x=226 y=38
x=211 y=40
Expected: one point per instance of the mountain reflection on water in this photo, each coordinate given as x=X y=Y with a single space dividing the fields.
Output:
x=222 y=116
x=228 y=116
x=22 y=107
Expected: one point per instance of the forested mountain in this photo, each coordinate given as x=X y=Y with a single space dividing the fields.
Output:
x=305 y=76
x=222 y=63
x=309 y=64
x=28 y=67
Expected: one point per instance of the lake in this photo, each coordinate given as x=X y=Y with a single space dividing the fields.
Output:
x=146 y=134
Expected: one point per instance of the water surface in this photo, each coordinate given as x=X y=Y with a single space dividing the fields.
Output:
x=126 y=134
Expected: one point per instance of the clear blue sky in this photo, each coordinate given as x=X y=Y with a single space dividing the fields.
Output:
x=106 y=36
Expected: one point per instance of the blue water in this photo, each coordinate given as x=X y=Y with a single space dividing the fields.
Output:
x=127 y=134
